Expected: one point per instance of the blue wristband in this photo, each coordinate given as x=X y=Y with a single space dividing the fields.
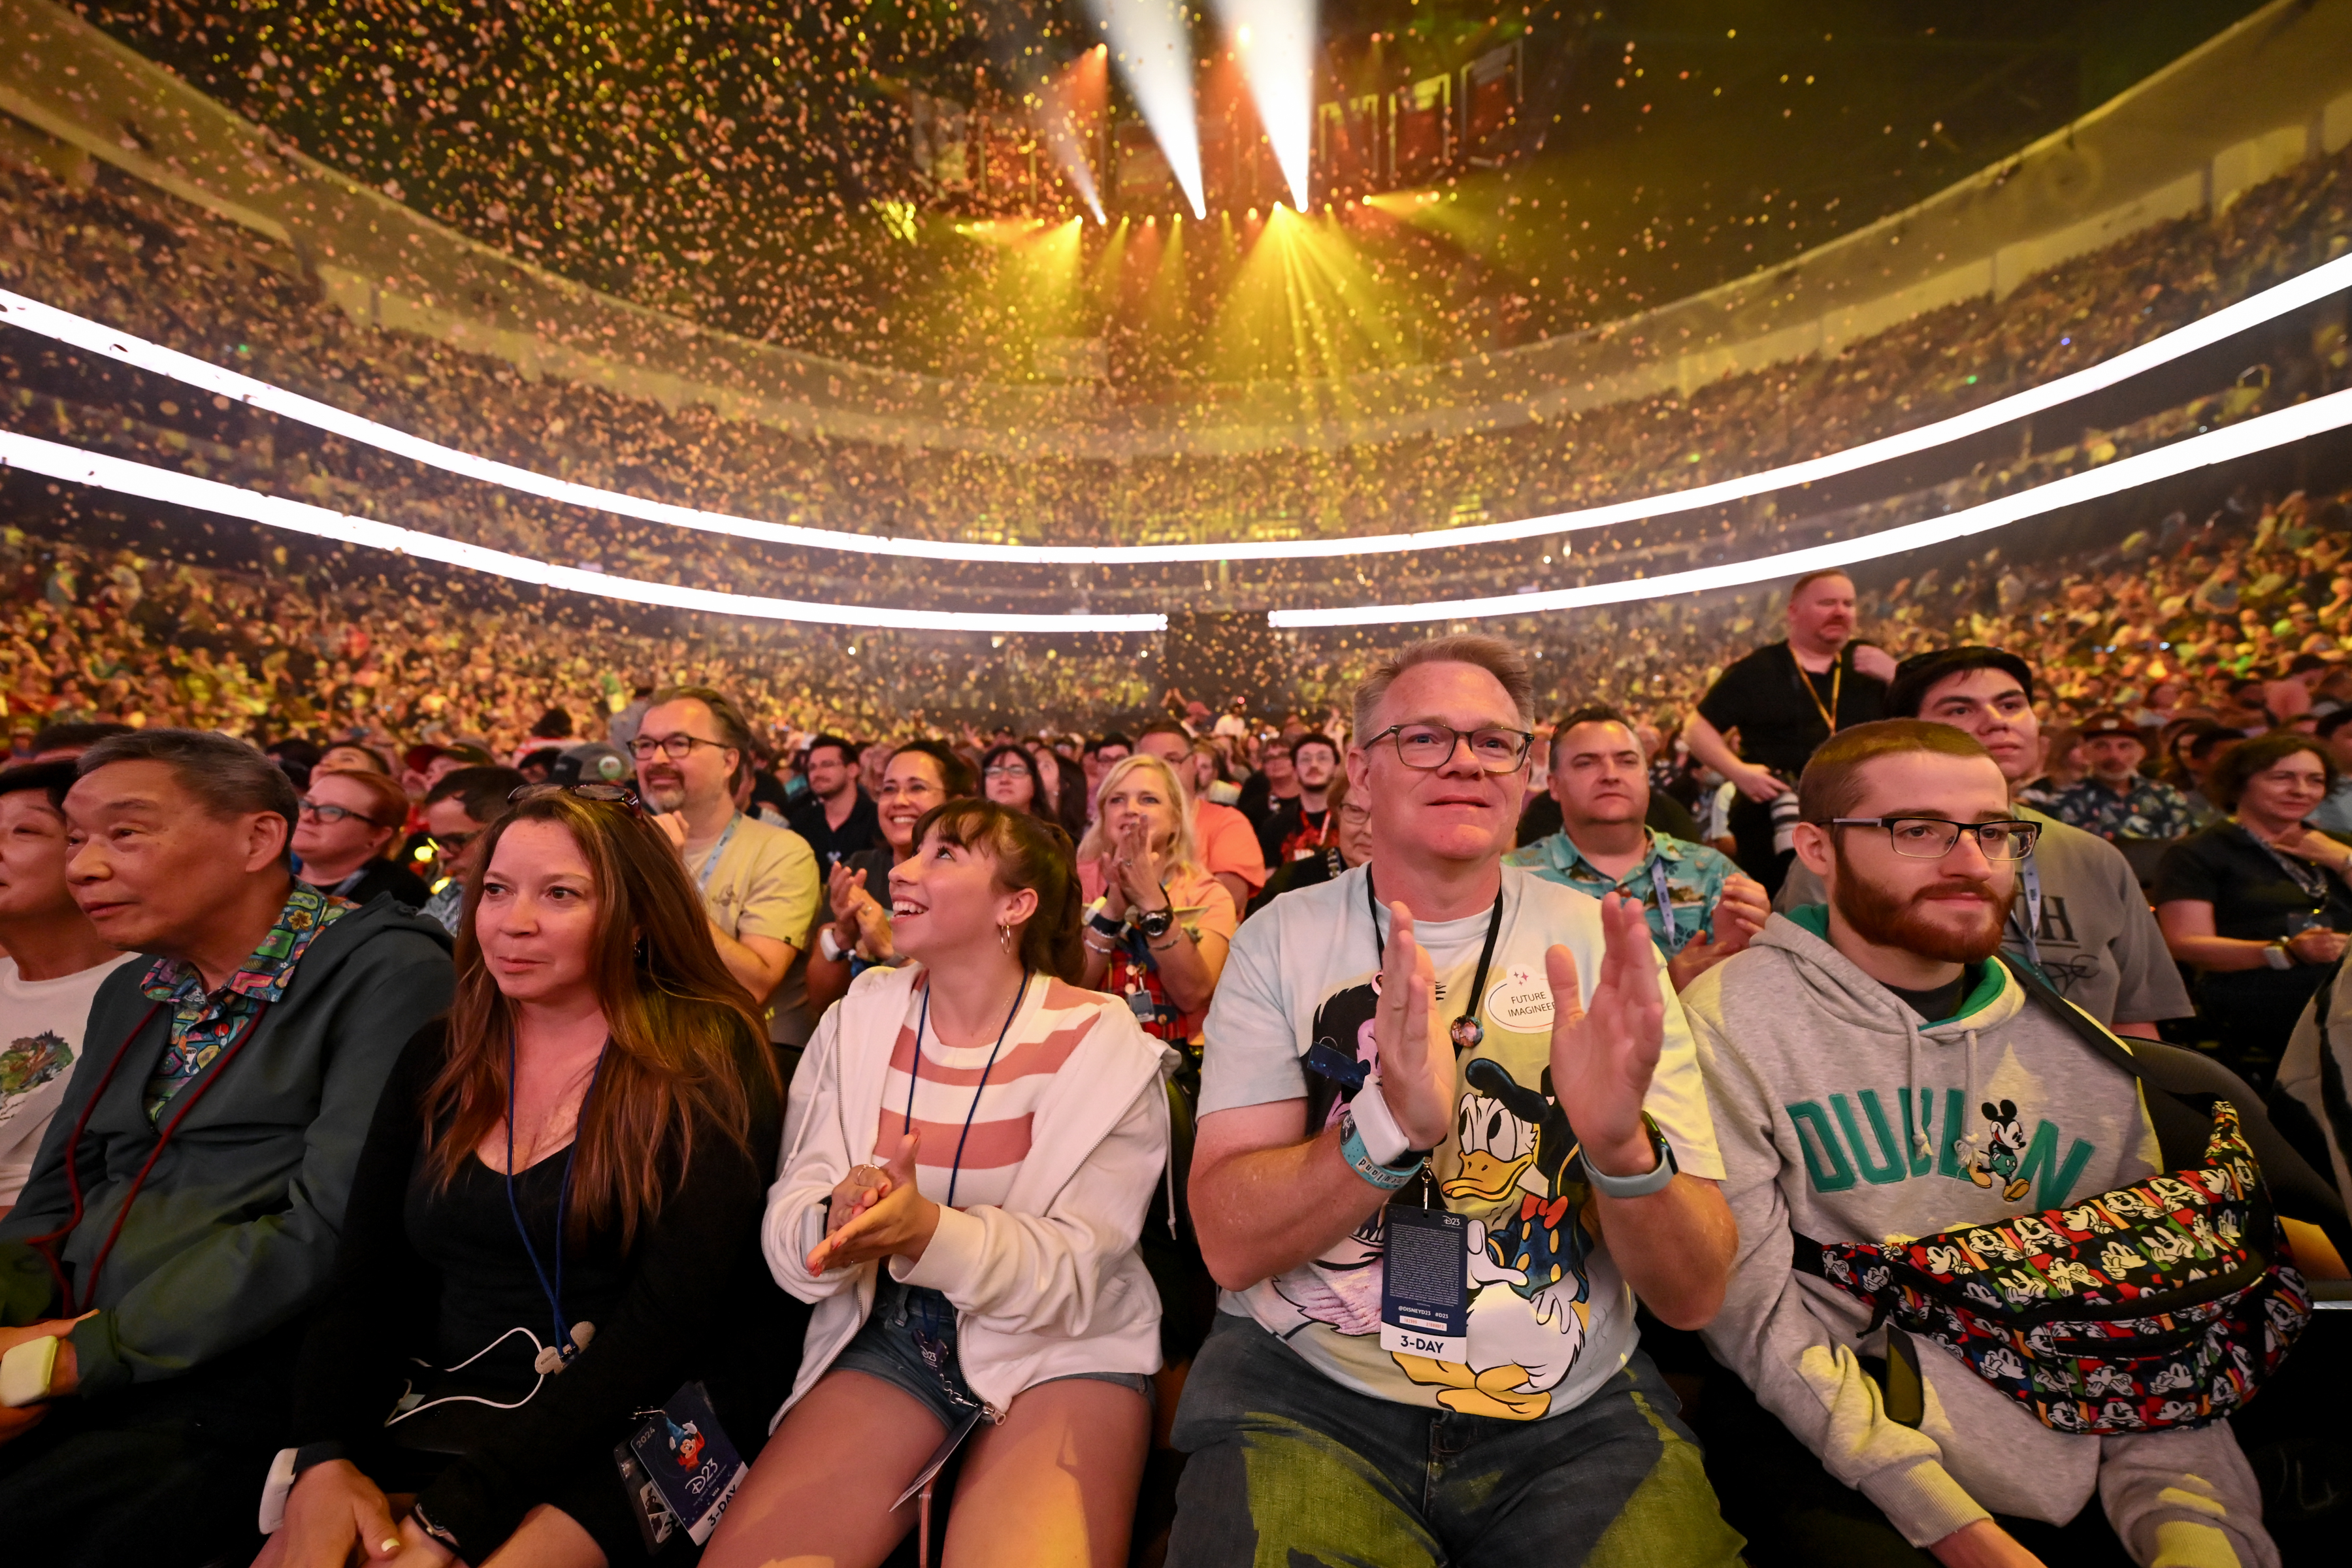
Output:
x=1388 y=1178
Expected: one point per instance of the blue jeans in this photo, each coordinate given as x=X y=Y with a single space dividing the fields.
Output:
x=1290 y=1471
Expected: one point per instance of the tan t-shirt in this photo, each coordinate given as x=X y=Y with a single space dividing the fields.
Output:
x=764 y=883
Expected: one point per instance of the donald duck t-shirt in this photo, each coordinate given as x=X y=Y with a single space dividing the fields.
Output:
x=1550 y=1318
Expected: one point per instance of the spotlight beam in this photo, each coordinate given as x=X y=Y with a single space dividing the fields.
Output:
x=1275 y=42
x=1154 y=56
x=73 y=465
x=2296 y=423
x=97 y=338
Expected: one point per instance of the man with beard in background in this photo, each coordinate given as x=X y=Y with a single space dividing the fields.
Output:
x=1875 y=1072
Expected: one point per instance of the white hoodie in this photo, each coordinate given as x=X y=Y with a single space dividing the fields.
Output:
x=1815 y=1070
x=1045 y=1285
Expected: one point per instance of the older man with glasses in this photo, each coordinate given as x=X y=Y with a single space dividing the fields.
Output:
x=1450 y=1125
x=759 y=881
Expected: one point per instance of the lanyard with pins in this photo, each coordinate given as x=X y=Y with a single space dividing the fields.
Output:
x=1466 y=1031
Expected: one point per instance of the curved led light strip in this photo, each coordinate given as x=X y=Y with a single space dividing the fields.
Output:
x=96 y=337
x=53 y=460
x=2330 y=413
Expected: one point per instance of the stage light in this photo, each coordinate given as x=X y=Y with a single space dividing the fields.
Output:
x=1154 y=57
x=2297 y=423
x=1071 y=107
x=96 y=337
x=1274 y=42
x=54 y=461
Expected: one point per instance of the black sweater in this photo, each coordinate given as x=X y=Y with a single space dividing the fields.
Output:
x=420 y=1273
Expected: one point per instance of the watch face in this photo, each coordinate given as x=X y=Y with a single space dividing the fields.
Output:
x=1156 y=925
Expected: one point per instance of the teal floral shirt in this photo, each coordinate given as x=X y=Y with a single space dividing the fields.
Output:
x=204 y=1023
x=2151 y=809
x=1694 y=876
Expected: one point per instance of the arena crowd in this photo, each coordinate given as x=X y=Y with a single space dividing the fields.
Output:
x=430 y=1053
x=1849 y=1073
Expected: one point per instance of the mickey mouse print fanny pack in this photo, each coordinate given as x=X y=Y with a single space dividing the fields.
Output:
x=2162 y=1303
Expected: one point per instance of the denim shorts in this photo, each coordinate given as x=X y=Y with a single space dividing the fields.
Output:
x=909 y=1342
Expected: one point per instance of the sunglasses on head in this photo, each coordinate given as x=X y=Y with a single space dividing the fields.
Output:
x=607 y=794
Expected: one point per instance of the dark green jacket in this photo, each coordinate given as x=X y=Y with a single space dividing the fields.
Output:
x=233 y=1235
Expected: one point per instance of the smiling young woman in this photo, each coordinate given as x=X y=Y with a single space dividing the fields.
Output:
x=971 y=1144
x=554 y=1222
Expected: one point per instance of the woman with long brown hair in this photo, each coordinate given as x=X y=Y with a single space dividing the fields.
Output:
x=553 y=1228
x=973 y=1144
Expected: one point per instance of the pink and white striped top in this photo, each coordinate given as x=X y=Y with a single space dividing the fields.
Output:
x=1049 y=1023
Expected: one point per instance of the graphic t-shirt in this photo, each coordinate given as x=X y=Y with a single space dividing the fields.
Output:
x=41 y=1023
x=974 y=1116
x=1550 y=1318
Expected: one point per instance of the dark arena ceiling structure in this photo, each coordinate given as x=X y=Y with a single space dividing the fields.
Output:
x=915 y=183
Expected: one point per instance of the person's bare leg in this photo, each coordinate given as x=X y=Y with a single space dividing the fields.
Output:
x=819 y=1494
x=549 y=1538
x=1054 y=1486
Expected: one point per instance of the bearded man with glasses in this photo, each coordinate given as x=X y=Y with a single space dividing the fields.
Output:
x=758 y=882
x=1877 y=1071
x=1451 y=1125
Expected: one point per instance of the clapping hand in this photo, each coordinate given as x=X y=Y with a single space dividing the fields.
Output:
x=890 y=1218
x=1741 y=911
x=1416 y=1077
x=1140 y=870
x=1604 y=1048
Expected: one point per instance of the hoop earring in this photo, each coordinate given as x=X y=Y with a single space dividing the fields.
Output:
x=1004 y=936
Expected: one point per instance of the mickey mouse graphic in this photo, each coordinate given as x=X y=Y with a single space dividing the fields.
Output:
x=684 y=1444
x=2005 y=1154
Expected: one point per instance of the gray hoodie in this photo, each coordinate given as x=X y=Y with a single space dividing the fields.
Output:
x=1844 y=1117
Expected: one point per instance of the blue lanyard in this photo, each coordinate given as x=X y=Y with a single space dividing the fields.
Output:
x=915 y=1072
x=702 y=882
x=554 y=1293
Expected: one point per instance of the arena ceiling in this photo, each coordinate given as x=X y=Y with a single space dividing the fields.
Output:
x=754 y=165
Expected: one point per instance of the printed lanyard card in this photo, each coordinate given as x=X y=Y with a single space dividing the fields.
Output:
x=688 y=1456
x=1425 y=1284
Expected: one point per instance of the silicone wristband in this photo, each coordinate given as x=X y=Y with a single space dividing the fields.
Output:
x=1387 y=1178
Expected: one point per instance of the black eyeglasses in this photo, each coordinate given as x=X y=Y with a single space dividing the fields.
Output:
x=1429 y=747
x=447 y=845
x=605 y=794
x=1933 y=837
x=333 y=812
x=676 y=748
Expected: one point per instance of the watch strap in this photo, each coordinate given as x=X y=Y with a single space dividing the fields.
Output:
x=1652 y=1180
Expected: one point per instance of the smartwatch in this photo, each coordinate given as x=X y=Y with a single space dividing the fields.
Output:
x=1642 y=1185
